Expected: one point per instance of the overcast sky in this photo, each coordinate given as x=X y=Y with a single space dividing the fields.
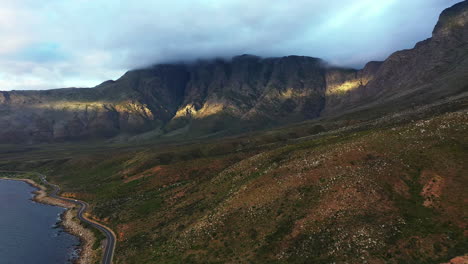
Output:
x=62 y=43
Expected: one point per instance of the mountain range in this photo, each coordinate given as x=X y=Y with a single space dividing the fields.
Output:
x=246 y=92
x=262 y=160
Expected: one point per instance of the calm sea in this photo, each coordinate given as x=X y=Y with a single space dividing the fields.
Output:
x=28 y=230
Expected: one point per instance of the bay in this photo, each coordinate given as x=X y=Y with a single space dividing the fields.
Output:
x=29 y=233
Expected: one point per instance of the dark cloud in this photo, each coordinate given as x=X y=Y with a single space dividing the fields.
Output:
x=53 y=43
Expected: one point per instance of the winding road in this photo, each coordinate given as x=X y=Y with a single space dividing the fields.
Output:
x=110 y=236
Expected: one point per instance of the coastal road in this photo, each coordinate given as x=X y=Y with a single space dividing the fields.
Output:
x=110 y=244
x=110 y=236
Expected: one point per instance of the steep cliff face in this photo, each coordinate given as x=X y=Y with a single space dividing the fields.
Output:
x=203 y=97
x=433 y=69
x=453 y=22
x=252 y=90
x=139 y=101
x=246 y=92
x=347 y=87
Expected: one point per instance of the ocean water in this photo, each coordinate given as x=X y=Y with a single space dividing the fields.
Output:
x=28 y=230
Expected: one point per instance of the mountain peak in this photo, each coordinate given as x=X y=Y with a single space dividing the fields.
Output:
x=245 y=56
x=453 y=19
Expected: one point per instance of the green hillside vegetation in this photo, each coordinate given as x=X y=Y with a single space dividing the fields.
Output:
x=389 y=190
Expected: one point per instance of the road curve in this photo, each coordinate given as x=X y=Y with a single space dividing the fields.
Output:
x=110 y=244
x=110 y=236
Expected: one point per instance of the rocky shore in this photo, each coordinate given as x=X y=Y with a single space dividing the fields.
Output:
x=69 y=222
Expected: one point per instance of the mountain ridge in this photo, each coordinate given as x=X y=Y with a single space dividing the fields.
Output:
x=171 y=96
x=246 y=92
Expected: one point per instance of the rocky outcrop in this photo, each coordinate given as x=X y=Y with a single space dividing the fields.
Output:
x=139 y=101
x=246 y=92
x=347 y=87
x=205 y=97
x=453 y=22
x=435 y=68
x=250 y=89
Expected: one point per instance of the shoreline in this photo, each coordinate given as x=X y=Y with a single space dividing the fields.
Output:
x=68 y=221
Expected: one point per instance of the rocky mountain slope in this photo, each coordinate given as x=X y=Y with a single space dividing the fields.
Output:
x=247 y=92
x=350 y=185
x=433 y=69
x=391 y=190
